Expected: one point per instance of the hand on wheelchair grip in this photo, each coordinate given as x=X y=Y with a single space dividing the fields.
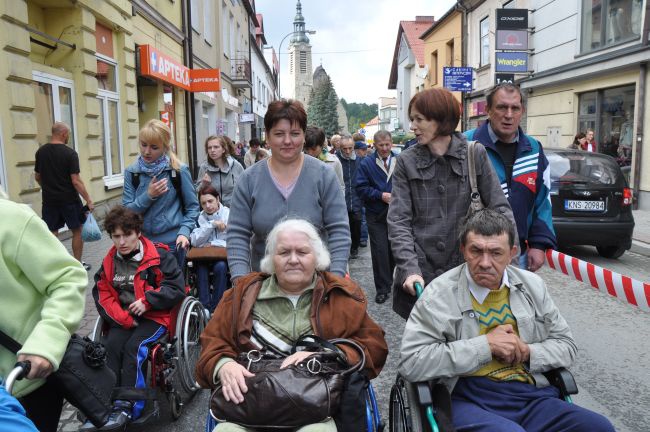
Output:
x=41 y=367
x=409 y=283
x=233 y=385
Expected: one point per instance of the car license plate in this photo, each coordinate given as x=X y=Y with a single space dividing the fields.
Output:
x=576 y=205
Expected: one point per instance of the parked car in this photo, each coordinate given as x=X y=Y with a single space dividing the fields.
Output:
x=592 y=203
x=397 y=148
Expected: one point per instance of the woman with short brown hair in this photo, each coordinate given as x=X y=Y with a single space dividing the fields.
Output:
x=431 y=194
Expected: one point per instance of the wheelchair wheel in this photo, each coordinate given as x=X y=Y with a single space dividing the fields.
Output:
x=189 y=326
x=404 y=414
x=96 y=334
x=175 y=403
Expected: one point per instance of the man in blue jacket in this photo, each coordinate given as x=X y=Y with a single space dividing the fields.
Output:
x=374 y=185
x=350 y=162
x=523 y=170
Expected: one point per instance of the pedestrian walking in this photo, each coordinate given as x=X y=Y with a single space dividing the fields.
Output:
x=374 y=186
x=57 y=172
x=314 y=143
x=523 y=170
x=286 y=184
x=250 y=156
x=220 y=170
x=350 y=162
x=431 y=193
x=159 y=187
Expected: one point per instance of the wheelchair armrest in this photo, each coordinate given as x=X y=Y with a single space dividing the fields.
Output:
x=563 y=380
x=423 y=393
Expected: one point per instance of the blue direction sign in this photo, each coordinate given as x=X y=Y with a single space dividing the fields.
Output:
x=457 y=78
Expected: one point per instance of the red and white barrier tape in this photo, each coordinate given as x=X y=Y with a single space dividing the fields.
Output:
x=607 y=281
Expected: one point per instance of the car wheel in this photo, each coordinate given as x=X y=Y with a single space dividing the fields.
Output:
x=612 y=252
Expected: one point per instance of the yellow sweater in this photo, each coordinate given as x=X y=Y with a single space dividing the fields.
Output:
x=495 y=311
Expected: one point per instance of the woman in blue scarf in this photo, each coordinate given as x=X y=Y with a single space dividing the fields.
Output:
x=169 y=206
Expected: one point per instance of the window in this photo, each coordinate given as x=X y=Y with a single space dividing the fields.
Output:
x=225 y=29
x=207 y=21
x=433 y=72
x=610 y=114
x=54 y=101
x=233 y=38
x=608 y=22
x=485 y=41
x=109 y=121
x=194 y=15
x=303 y=62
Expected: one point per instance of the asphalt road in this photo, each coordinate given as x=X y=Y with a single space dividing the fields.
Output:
x=612 y=365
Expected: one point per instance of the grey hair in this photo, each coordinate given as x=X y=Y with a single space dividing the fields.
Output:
x=346 y=137
x=295 y=225
x=487 y=222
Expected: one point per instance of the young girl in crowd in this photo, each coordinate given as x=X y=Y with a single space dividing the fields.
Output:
x=211 y=231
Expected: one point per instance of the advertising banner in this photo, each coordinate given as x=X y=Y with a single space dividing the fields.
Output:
x=515 y=62
x=512 y=19
x=512 y=40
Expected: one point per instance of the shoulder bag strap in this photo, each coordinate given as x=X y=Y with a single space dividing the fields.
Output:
x=10 y=343
x=476 y=203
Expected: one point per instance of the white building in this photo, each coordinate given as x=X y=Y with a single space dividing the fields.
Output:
x=408 y=69
x=263 y=80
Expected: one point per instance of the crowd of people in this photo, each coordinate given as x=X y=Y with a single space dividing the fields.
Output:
x=287 y=215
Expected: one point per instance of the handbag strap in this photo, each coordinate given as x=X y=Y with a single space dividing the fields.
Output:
x=10 y=343
x=317 y=343
x=475 y=196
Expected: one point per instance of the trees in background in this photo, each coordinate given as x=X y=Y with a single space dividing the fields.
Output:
x=322 y=107
x=359 y=113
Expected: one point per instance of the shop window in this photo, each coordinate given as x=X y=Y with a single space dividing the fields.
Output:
x=54 y=102
x=610 y=114
x=109 y=121
x=484 y=42
x=168 y=115
x=608 y=22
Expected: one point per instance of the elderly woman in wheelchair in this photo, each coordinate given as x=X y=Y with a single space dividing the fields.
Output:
x=488 y=331
x=270 y=311
x=136 y=288
x=207 y=239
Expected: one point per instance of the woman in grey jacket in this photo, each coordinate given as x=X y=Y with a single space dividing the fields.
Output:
x=220 y=169
x=431 y=194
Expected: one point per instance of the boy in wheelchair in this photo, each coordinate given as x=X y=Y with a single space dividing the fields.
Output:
x=136 y=288
x=211 y=232
x=488 y=331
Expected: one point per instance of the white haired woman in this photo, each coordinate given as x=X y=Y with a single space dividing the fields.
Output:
x=292 y=284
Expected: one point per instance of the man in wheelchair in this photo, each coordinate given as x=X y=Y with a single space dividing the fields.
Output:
x=136 y=288
x=487 y=330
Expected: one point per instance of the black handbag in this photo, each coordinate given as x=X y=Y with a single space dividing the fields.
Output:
x=83 y=376
x=295 y=396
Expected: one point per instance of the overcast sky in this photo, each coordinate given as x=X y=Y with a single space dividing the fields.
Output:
x=355 y=39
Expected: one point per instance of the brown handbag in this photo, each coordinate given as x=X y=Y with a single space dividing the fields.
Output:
x=209 y=253
x=288 y=398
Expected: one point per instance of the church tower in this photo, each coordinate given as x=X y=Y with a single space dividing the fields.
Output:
x=300 y=71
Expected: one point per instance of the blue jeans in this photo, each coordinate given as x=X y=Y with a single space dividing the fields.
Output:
x=219 y=283
x=523 y=261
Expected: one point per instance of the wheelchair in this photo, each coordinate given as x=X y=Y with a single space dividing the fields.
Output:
x=426 y=406
x=374 y=422
x=197 y=255
x=170 y=362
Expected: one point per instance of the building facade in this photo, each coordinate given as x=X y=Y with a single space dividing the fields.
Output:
x=590 y=72
x=408 y=68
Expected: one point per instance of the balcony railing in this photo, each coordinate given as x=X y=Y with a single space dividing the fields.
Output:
x=240 y=72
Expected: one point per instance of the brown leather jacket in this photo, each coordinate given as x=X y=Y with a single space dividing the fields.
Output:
x=338 y=310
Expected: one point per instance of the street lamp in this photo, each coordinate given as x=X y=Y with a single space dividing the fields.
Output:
x=311 y=32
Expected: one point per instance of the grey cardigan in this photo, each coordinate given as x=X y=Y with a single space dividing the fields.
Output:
x=441 y=338
x=430 y=196
x=257 y=206
x=222 y=180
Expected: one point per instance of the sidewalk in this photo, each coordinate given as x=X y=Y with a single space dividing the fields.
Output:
x=641 y=235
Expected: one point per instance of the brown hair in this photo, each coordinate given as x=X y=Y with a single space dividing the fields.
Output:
x=314 y=137
x=358 y=137
x=209 y=190
x=123 y=218
x=159 y=133
x=285 y=109
x=440 y=105
x=223 y=142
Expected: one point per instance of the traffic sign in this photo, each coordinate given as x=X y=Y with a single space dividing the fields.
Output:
x=457 y=78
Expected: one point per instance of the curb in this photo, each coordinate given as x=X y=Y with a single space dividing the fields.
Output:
x=642 y=248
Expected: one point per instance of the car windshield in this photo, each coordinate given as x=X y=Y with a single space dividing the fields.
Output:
x=583 y=167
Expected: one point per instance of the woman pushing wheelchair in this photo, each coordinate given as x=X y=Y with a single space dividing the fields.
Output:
x=292 y=297
x=136 y=288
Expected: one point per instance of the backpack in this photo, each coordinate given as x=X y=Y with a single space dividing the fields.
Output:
x=177 y=182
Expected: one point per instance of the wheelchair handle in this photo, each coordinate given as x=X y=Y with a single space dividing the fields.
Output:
x=418 y=289
x=20 y=371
